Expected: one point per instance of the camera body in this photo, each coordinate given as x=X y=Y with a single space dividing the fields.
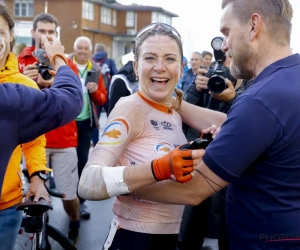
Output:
x=44 y=71
x=216 y=83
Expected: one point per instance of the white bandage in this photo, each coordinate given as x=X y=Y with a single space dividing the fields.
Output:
x=113 y=178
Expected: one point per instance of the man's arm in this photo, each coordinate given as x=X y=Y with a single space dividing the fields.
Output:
x=47 y=109
x=199 y=118
x=204 y=184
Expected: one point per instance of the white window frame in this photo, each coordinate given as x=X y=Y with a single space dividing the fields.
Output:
x=161 y=17
x=88 y=10
x=154 y=18
x=105 y=15
x=29 y=8
x=114 y=21
x=130 y=19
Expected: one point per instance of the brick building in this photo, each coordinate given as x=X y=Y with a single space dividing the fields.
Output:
x=103 y=21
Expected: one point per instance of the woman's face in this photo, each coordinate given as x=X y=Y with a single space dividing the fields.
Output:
x=159 y=68
x=5 y=39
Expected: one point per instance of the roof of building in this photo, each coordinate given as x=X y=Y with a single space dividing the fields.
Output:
x=133 y=7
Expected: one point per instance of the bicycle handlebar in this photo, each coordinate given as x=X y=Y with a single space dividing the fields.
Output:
x=54 y=194
x=50 y=192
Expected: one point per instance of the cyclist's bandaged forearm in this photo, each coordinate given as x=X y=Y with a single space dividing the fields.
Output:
x=100 y=183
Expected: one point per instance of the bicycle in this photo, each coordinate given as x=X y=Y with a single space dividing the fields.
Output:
x=35 y=232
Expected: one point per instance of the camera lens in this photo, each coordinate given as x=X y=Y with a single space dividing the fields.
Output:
x=216 y=84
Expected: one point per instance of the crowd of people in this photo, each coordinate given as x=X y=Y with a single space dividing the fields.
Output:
x=246 y=181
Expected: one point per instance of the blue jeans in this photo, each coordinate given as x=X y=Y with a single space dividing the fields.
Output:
x=10 y=222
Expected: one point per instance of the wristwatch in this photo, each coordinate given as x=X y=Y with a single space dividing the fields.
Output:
x=41 y=174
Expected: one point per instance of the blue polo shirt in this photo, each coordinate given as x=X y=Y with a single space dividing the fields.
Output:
x=258 y=152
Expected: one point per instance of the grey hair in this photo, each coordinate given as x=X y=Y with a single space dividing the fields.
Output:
x=100 y=47
x=83 y=38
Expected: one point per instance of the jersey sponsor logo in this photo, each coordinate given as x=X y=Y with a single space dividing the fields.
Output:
x=154 y=124
x=163 y=148
x=166 y=125
x=115 y=133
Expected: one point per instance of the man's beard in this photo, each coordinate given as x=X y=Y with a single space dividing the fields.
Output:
x=241 y=59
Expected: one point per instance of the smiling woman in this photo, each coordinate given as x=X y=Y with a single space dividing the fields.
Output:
x=141 y=137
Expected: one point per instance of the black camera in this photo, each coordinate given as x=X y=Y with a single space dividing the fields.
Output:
x=44 y=71
x=216 y=83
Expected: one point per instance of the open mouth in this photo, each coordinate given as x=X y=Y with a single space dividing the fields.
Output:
x=159 y=81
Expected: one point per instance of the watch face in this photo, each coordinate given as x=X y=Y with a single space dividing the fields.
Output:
x=43 y=176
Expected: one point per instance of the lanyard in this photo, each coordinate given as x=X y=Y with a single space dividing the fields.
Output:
x=82 y=74
x=88 y=67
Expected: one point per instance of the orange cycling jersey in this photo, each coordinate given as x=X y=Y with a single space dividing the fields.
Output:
x=137 y=132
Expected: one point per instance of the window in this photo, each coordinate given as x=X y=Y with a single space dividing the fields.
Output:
x=129 y=19
x=155 y=17
x=114 y=18
x=160 y=17
x=105 y=15
x=24 y=8
x=87 y=10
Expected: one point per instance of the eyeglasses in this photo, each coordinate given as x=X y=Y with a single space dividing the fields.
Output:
x=154 y=26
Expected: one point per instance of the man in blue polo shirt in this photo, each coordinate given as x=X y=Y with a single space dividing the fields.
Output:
x=258 y=148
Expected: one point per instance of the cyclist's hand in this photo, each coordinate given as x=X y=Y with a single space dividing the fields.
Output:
x=177 y=165
x=37 y=189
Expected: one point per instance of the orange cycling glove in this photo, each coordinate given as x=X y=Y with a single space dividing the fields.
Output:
x=176 y=165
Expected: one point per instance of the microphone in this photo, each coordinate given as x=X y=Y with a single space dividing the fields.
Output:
x=39 y=55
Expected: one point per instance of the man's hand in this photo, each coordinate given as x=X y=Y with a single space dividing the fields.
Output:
x=92 y=87
x=45 y=83
x=177 y=165
x=228 y=94
x=37 y=189
x=213 y=129
x=201 y=81
x=31 y=71
x=52 y=46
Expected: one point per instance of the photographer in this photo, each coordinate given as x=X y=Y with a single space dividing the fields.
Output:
x=194 y=227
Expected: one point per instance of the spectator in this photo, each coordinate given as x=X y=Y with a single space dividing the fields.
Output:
x=257 y=148
x=24 y=109
x=189 y=76
x=93 y=94
x=198 y=94
x=122 y=84
x=61 y=142
x=206 y=58
x=108 y=70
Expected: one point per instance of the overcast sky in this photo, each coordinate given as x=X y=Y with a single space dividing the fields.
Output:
x=199 y=21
